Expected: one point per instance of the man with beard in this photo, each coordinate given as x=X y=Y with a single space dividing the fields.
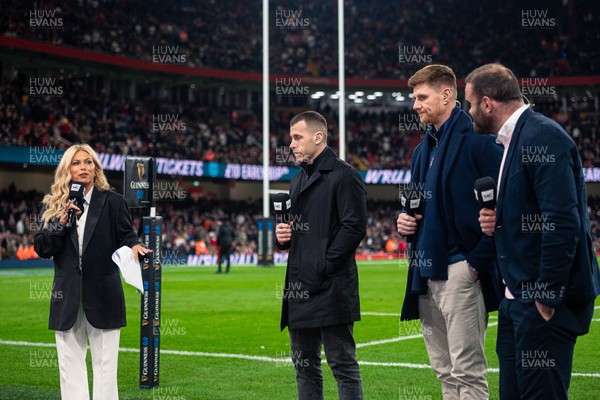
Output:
x=452 y=277
x=542 y=235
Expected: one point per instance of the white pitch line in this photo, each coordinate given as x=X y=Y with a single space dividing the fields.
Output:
x=380 y=314
x=398 y=339
x=385 y=341
x=261 y=358
x=394 y=364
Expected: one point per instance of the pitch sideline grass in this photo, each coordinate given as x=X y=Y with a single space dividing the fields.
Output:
x=238 y=313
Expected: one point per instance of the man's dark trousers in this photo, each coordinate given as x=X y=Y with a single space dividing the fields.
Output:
x=536 y=356
x=340 y=351
x=224 y=254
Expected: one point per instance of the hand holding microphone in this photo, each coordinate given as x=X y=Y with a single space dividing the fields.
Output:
x=281 y=206
x=74 y=207
x=485 y=193
x=407 y=222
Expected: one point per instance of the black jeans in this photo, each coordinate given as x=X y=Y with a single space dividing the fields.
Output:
x=340 y=351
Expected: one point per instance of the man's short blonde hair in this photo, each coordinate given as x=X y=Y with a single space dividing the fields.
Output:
x=436 y=75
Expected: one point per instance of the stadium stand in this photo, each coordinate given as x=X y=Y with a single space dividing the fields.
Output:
x=227 y=34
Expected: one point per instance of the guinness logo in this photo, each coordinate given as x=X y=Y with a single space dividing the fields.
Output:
x=144 y=378
x=140 y=170
x=146 y=266
x=144 y=322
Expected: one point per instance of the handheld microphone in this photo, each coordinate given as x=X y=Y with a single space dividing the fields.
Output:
x=282 y=204
x=485 y=192
x=75 y=197
x=412 y=204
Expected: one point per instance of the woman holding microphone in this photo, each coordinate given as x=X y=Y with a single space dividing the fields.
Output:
x=87 y=296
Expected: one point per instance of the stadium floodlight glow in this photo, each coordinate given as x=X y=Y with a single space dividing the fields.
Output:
x=359 y=93
x=334 y=96
x=359 y=101
x=352 y=97
x=378 y=94
x=315 y=96
x=410 y=95
x=320 y=93
x=402 y=98
x=371 y=97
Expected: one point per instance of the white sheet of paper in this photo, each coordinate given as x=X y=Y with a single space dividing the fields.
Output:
x=132 y=273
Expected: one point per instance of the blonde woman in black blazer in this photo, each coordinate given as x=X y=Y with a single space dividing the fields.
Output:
x=87 y=296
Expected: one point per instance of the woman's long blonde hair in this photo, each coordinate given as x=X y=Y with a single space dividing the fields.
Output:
x=59 y=191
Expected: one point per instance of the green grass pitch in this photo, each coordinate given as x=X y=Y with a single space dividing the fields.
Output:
x=220 y=340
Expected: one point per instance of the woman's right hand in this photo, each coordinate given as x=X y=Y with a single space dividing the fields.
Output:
x=64 y=215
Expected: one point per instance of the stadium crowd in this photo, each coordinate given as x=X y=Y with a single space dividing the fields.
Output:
x=190 y=225
x=376 y=138
x=227 y=35
x=559 y=38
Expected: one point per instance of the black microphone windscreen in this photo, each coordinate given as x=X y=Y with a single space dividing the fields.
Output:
x=411 y=201
x=485 y=192
x=76 y=197
x=76 y=190
x=282 y=203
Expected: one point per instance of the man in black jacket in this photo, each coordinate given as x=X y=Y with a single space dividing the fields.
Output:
x=225 y=236
x=320 y=299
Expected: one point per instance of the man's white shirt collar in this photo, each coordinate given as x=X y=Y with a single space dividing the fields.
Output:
x=508 y=128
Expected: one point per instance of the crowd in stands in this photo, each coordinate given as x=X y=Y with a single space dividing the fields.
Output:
x=202 y=133
x=190 y=225
x=552 y=38
x=18 y=223
x=375 y=138
x=594 y=208
x=580 y=117
x=226 y=35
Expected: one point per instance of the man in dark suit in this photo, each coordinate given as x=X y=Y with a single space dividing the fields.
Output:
x=225 y=236
x=542 y=236
x=452 y=278
x=87 y=296
x=320 y=298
